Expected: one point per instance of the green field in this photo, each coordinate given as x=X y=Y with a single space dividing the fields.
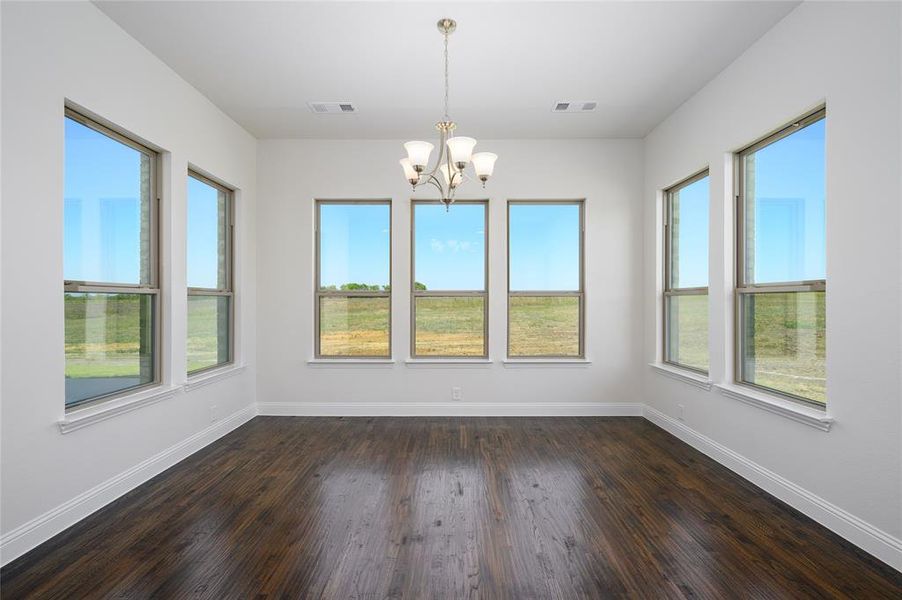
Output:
x=785 y=344
x=543 y=326
x=354 y=326
x=104 y=333
x=786 y=347
x=450 y=326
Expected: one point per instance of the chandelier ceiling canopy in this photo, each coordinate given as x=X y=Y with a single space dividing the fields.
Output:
x=455 y=153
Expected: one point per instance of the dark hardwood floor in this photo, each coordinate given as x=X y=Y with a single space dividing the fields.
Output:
x=367 y=508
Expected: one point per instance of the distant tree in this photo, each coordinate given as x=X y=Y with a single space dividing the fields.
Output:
x=419 y=286
x=347 y=287
x=330 y=288
x=386 y=288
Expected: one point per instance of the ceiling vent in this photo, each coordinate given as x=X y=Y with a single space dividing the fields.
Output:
x=574 y=106
x=332 y=108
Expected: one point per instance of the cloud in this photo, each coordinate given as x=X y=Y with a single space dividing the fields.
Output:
x=453 y=246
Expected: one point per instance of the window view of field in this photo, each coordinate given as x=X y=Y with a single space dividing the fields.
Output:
x=109 y=343
x=688 y=335
x=208 y=331
x=450 y=326
x=785 y=342
x=354 y=326
x=543 y=326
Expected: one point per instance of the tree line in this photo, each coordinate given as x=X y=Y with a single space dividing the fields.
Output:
x=365 y=287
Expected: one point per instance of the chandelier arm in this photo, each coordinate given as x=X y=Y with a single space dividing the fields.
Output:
x=437 y=184
x=441 y=155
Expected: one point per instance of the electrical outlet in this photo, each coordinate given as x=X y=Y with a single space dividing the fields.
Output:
x=680 y=409
x=214 y=413
x=456 y=394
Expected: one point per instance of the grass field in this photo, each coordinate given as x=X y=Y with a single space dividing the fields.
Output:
x=688 y=339
x=451 y=326
x=544 y=326
x=786 y=347
x=354 y=326
x=103 y=334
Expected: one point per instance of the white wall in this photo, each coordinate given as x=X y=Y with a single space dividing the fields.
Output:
x=292 y=173
x=849 y=56
x=71 y=51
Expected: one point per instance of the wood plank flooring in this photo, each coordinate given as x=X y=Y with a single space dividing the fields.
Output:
x=371 y=508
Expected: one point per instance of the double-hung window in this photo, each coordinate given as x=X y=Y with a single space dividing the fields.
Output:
x=546 y=301
x=111 y=285
x=210 y=291
x=450 y=283
x=781 y=271
x=686 y=273
x=352 y=302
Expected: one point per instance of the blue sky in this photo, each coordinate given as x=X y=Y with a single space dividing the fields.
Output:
x=103 y=214
x=690 y=269
x=102 y=226
x=102 y=208
x=203 y=235
x=789 y=208
x=450 y=246
x=354 y=244
x=544 y=247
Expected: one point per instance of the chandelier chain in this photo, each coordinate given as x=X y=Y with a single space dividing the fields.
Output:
x=447 y=118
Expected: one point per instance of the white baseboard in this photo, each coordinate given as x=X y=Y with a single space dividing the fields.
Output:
x=450 y=409
x=864 y=535
x=40 y=529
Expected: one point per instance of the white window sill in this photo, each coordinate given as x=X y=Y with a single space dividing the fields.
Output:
x=212 y=376
x=350 y=362
x=785 y=408
x=697 y=379
x=82 y=417
x=449 y=362
x=546 y=362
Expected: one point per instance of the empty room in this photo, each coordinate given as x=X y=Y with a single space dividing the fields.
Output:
x=440 y=300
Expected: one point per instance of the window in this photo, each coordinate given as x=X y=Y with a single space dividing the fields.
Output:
x=686 y=273
x=449 y=287
x=781 y=273
x=110 y=289
x=545 y=279
x=210 y=295
x=353 y=279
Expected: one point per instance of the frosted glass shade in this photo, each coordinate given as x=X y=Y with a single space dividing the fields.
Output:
x=409 y=173
x=448 y=172
x=418 y=154
x=484 y=164
x=461 y=148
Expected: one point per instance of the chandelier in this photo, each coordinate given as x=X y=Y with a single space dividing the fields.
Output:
x=453 y=160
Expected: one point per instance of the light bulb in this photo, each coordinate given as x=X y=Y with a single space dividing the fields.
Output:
x=453 y=177
x=418 y=154
x=460 y=148
x=484 y=164
x=409 y=172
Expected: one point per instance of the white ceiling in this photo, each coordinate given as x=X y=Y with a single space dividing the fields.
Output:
x=261 y=62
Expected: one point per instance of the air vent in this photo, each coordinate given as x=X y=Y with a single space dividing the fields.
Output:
x=332 y=108
x=574 y=106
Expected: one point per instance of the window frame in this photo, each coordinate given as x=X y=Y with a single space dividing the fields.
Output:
x=670 y=291
x=414 y=293
x=580 y=294
x=742 y=286
x=318 y=293
x=229 y=290
x=152 y=287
